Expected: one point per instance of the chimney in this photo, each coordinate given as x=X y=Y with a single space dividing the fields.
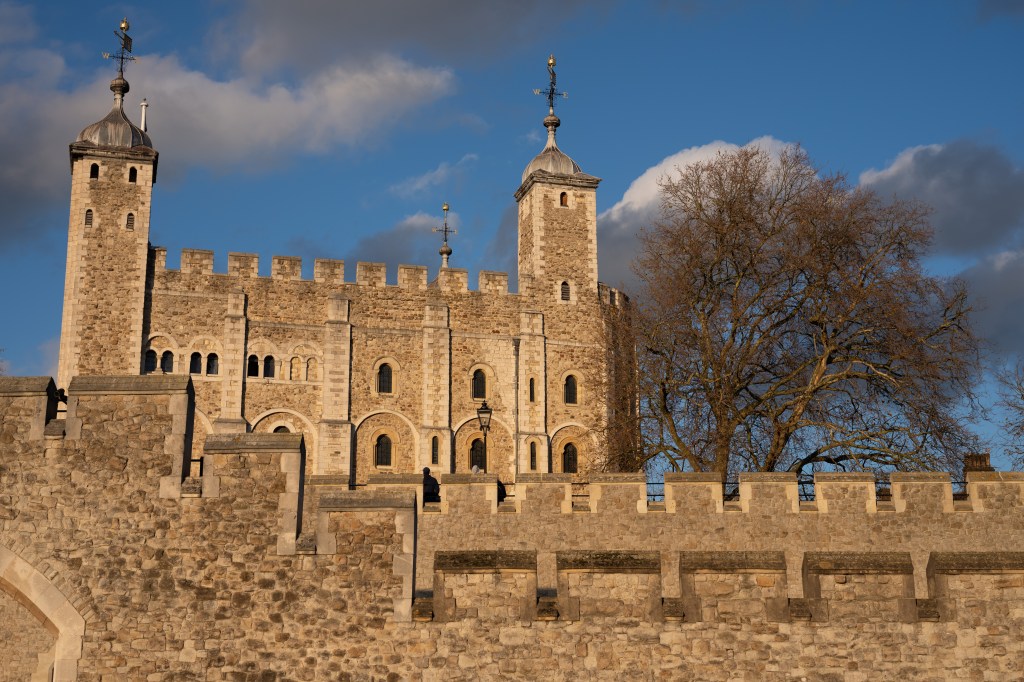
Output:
x=978 y=461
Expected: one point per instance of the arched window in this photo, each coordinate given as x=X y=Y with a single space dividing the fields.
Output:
x=569 y=459
x=479 y=385
x=563 y=199
x=195 y=364
x=212 y=364
x=268 y=367
x=133 y=175
x=311 y=369
x=382 y=452
x=150 y=365
x=282 y=429
x=298 y=369
x=565 y=291
x=477 y=455
x=569 y=392
x=167 y=362
x=384 y=378
x=433 y=450
x=252 y=368
x=94 y=171
x=533 y=456
x=533 y=394
x=129 y=222
x=88 y=217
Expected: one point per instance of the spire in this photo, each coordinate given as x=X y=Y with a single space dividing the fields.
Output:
x=445 y=250
x=551 y=159
x=551 y=122
x=119 y=86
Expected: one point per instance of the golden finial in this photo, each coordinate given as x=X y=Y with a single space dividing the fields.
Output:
x=124 y=24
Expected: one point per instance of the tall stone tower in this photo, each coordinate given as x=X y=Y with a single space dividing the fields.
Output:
x=557 y=222
x=113 y=168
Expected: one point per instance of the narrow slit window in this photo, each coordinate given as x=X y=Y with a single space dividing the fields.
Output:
x=533 y=392
x=297 y=369
x=195 y=364
x=384 y=378
x=88 y=217
x=129 y=222
x=570 y=390
x=479 y=385
x=311 y=369
x=565 y=291
x=94 y=171
x=253 y=367
x=533 y=456
x=478 y=455
x=268 y=367
x=212 y=364
x=569 y=459
x=133 y=175
x=382 y=452
x=150 y=365
x=434 y=450
x=167 y=362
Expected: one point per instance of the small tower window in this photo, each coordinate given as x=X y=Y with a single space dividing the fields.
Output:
x=88 y=217
x=565 y=291
x=268 y=367
x=563 y=199
x=253 y=367
x=533 y=393
x=94 y=171
x=167 y=362
x=382 y=452
x=433 y=450
x=212 y=364
x=611 y=297
x=297 y=369
x=384 y=379
x=477 y=455
x=129 y=223
x=150 y=365
x=569 y=459
x=133 y=175
x=569 y=392
x=195 y=364
x=533 y=456
x=479 y=385
x=311 y=369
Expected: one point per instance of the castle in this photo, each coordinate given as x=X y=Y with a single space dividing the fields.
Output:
x=230 y=491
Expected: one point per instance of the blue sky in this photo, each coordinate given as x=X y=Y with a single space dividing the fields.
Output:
x=328 y=129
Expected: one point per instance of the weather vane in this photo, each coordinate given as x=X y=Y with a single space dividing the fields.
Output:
x=445 y=250
x=124 y=54
x=552 y=91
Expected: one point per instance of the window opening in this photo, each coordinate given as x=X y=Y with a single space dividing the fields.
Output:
x=282 y=429
x=433 y=450
x=382 y=452
x=129 y=223
x=195 y=364
x=268 y=367
x=88 y=217
x=533 y=456
x=150 y=365
x=212 y=364
x=565 y=291
x=477 y=455
x=563 y=199
x=297 y=369
x=384 y=378
x=133 y=175
x=569 y=459
x=253 y=367
x=311 y=369
x=167 y=362
x=569 y=394
x=94 y=171
x=479 y=385
x=533 y=395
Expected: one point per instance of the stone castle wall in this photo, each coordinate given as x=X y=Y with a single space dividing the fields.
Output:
x=260 y=569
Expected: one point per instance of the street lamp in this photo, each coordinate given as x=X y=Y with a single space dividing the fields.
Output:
x=483 y=414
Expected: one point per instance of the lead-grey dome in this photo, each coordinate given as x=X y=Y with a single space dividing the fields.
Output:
x=114 y=129
x=552 y=159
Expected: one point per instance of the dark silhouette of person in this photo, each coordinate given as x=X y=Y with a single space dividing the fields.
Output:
x=502 y=493
x=431 y=488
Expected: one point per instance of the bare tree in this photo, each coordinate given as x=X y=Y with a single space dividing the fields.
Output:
x=1011 y=402
x=785 y=323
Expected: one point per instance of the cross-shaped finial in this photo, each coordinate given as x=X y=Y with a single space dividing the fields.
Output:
x=552 y=91
x=124 y=53
x=445 y=250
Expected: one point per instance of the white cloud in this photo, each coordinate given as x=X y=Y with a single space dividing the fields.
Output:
x=444 y=172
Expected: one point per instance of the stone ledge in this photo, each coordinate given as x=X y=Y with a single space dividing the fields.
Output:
x=25 y=386
x=544 y=478
x=619 y=478
x=767 y=477
x=354 y=501
x=147 y=384
x=844 y=477
x=476 y=562
x=731 y=562
x=466 y=479
x=328 y=479
x=609 y=562
x=832 y=563
x=242 y=443
x=395 y=479
x=994 y=476
x=694 y=477
x=975 y=562
x=919 y=477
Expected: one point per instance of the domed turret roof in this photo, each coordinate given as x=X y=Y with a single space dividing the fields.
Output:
x=114 y=129
x=552 y=159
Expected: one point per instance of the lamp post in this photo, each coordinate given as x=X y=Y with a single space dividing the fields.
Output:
x=483 y=414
